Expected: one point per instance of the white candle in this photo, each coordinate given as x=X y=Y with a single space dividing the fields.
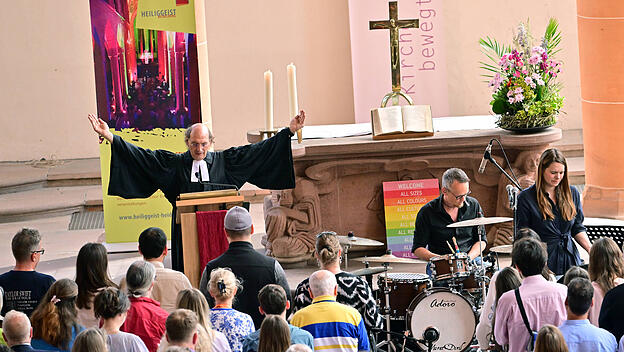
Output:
x=293 y=106
x=268 y=100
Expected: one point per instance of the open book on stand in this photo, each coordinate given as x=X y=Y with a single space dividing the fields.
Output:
x=406 y=121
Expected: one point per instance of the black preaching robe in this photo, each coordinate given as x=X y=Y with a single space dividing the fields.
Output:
x=138 y=173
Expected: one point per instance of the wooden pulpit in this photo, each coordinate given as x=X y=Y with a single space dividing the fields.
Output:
x=188 y=204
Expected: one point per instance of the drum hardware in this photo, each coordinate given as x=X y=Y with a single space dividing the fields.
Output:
x=351 y=240
x=390 y=258
x=504 y=249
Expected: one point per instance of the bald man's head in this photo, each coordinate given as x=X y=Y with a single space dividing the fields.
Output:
x=16 y=328
x=323 y=283
x=198 y=140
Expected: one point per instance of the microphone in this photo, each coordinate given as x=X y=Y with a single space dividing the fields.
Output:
x=486 y=157
x=431 y=334
x=512 y=191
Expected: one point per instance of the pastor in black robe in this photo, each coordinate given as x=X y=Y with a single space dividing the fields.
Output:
x=138 y=173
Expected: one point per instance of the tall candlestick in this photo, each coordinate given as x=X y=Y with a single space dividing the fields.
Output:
x=293 y=105
x=268 y=100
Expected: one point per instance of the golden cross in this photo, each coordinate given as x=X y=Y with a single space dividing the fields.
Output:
x=393 y=24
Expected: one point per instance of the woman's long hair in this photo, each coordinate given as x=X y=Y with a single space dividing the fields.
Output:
x=90 y=340
x=194 y=300
x=550 y=339
x=605 y=263
x=327 y=248
x=508 y=279
x=91 y=273
x=274 y=334
x=55 y=315
x=562 y=191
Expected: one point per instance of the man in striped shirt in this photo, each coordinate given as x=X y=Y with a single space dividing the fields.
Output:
x=334 y=326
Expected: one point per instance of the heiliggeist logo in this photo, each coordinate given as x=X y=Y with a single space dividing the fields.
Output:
x=162 y=13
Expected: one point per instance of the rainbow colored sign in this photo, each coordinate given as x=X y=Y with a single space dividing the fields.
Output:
x=402 y=201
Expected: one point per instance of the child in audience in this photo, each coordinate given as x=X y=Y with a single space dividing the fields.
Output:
x=274 y=334
x=209 y=339
x=90 y=340
x=508 y=279
x=235 y=325
x=111 y=305
x=54 y=321
x=550 y=339
x=606 y=270
x=91 y=276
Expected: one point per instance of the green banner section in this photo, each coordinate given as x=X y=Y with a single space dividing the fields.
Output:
x=125 y=219
x=166 y=15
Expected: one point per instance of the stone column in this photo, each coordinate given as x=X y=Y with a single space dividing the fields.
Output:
x=600 y=33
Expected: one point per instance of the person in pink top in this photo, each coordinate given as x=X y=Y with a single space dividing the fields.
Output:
x=543 y=301
x=606 y=270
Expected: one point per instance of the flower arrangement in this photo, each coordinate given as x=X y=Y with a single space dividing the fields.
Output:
x=523 y=78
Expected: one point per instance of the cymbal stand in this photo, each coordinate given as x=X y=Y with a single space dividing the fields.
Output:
x=386 y=310
x=346 y=247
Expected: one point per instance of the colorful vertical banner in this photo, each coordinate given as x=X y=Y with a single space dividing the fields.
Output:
x=402 y=201
x=422 y=56
x=147 y=87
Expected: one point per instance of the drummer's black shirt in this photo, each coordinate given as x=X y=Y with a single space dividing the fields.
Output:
x=431 y=230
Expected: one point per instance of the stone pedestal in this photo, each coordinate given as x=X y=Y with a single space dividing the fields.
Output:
x=339 y=181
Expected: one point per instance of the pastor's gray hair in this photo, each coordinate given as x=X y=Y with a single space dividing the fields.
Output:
x=454 y=174
x=187 y=133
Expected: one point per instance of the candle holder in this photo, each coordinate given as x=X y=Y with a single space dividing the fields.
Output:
x=266 y=134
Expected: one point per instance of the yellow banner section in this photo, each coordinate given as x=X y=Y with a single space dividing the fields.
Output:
x=393 y=215
x=166 y=15
x=125 y=219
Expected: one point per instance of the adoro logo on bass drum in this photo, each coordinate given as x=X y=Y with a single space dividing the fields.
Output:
x=441 y=303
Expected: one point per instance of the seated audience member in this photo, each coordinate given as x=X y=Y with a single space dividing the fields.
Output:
x=573 y=273
x=334 y=326
x=549 y=339
x=606 y=270
x=298 y=348
x=111 y=305
x=543 y=301
x=208 y=340
x=485 y=326
x=612 y=312
x=153 y=247
x=182 y=328
x=55 y=320
x=145 y=318
x=273 y=301
x=235 y=325
x=23 y=286
x=352 y=290
x=508 y=279
x=90 y=340
x=91 y=276
x=253 y=269
x=17 y=331
x=274 y=334
x=580 y=335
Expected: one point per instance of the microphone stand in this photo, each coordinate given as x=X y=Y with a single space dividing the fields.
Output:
x=227 y=185
x=487 y=155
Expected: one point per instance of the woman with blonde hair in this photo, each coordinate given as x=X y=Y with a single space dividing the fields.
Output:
x=111 y=305
x=54 y=321
x=235 y=325
x=352 y=290
x=606 y=270
x=274 y=334
x=552 y=208
x=90 y=340
x=209 y=339
x=550 y=339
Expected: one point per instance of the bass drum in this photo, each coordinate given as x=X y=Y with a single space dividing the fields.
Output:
x=449 y=312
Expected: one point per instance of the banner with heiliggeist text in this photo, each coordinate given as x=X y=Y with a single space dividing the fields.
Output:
x=147 y=87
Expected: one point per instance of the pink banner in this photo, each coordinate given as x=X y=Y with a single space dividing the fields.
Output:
x=422 y=55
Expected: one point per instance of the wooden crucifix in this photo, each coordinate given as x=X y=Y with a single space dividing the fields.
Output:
x=394 y=24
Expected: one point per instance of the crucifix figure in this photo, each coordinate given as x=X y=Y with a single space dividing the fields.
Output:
x=394 y=24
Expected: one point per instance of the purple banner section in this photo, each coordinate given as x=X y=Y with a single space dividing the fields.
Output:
x=422 y=55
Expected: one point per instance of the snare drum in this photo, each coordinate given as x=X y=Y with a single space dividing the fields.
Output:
x=449 y=312
x=403 y=288
x=451 y=266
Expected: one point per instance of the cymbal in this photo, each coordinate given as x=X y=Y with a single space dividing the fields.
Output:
x=370 y=271
x=504 y=249
x=389 y=258
x=358 y=241
x=480 y=221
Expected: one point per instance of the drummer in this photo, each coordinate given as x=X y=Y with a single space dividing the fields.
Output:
x=432 y=237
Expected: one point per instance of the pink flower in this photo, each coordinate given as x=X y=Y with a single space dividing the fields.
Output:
x=519 y=98
x=534 y=59
x=518 y=90
x=529 y=82
x=496 y=82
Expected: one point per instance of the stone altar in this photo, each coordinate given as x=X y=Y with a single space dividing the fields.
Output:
x=344 y=177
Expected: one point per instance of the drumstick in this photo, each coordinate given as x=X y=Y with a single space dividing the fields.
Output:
x=450 y=247
x=455 y=243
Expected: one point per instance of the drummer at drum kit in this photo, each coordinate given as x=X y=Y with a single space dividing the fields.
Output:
x=432 y=236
